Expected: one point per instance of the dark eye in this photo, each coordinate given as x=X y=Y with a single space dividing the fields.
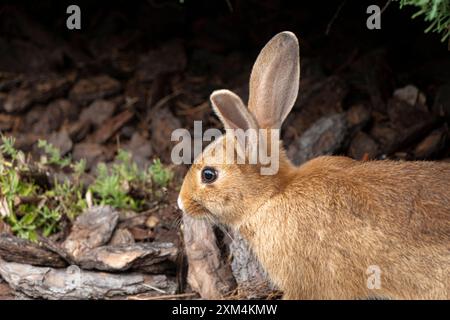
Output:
x=209 y=175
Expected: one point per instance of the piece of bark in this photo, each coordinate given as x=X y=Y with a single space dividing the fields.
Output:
x=111 y=126
x=432 y=144
x=163 y=123
x=324 y=137
x=78 y=130
x=363 y=145
x=89 y=89
x=208 y=273
x=92 y=153
x=142 y=233
x=121 y=236
x=74 y=283
x=18 y=100
x=247 y=270
x=392 y=139
x=124 y=257
x=90 y=230
x=62 y=141
x=51 y=87
x=98 y=112
x=358 y=116
x=23 y=251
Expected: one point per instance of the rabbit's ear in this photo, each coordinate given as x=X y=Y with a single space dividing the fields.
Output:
x=275 y=80
x=231 y=111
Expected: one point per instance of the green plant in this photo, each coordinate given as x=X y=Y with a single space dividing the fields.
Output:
x=33 y=209
x=435 y=12
x=159 y=174
x=52 y=155
x=112 y=189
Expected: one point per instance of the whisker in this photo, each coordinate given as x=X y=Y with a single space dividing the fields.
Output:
x=220 y=226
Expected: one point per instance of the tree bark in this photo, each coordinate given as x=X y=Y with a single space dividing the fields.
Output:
x=208 y=273
x=23 y=251
x=74 y=283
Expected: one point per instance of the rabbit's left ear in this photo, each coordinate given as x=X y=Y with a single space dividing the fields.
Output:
x=231 y=110
x=275 y=80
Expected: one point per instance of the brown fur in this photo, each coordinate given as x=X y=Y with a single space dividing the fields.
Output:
x=317 y=228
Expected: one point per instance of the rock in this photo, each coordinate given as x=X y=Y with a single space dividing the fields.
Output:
x=62 y=141
x=411 y=95
x=324 y=137
x=432 y=144
x=362 y=146
x=89 y=89
x=91 y=152
x=98 y=112
x=18 y=100
x=91 y=229
x=167 y=58
x=111 y=126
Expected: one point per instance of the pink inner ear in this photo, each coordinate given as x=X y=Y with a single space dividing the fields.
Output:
x=231 y=110
x=274 y=80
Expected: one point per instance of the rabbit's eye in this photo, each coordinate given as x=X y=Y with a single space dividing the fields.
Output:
x=209 y=175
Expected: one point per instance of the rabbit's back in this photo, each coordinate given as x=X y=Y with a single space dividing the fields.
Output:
x=339 y=217
x=411 y=198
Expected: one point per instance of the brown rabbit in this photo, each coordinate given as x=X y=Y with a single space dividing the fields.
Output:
x=333 y=228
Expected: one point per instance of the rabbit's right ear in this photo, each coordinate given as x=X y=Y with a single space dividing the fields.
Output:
x=275 y=80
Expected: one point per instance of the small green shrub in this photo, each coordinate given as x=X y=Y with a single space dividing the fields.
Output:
x=32 y=209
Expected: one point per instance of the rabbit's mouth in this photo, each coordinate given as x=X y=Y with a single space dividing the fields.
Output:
x=193 y=208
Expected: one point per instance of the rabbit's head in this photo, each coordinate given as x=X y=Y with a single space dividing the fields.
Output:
x=227 y=181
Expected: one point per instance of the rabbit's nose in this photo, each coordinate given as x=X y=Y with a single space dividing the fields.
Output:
x=180 y=204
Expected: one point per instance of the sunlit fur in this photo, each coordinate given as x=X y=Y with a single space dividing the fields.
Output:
x=318 y=228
